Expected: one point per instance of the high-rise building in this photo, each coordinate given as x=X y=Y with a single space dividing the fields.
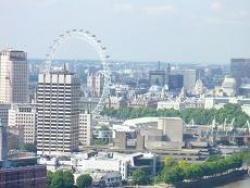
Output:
x=175 y=81
x=95 y=84
x=13 y=76
x=157 y=77
x=240 y=69
x=23 y=117
x=189 y=77
x=85 y=123
x=57 y=113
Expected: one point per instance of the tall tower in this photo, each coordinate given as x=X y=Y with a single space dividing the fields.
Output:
x=95 y=83
x=13 y=76
x=57 y=113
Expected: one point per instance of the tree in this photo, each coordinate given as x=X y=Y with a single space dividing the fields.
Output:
x=57 y=180
x=139 y=177
x=61 y=179
x=50 y=177
x=68 y=179
x=84 y=181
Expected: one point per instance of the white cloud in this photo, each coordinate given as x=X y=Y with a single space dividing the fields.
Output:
x=146 y=9
x=216 y=6
x=159 y=9
x=124 y=7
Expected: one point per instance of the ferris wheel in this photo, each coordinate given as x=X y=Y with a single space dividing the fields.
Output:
x=96 y=44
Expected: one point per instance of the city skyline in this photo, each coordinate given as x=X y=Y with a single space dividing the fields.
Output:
x=177 y=31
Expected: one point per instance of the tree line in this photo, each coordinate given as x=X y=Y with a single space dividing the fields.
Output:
x=65 y=179
x=230 y=113
x=174 y=172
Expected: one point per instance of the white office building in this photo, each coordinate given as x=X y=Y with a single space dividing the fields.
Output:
x=57 y=113
x=85 y=124
x=23 y=116
x=13 y=76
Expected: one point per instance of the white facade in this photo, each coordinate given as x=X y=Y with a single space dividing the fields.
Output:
x=57 y=113
x=102 y=161
x=85 y=124
x=13 y=76
x=23 y=116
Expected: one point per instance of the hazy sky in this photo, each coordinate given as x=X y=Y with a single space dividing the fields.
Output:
x=208 y=31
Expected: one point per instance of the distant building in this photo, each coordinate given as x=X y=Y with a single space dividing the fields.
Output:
x=85 y=124
x=23 y=116
x=229 y=86
x=116 y=102
x=175 y=81
x=190 y=77
x=219 y=102
x=157 y=77
x=95 y=84
x=13 y=76
x=57 y=113
x=240 y=69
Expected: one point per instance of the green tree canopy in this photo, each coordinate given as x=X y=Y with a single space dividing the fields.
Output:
x=140 y=177
x=229 y=112
x=61 y=179
x=84 y=181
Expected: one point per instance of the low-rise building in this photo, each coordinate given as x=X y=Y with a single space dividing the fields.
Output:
x=23 y=116
x=24 y=177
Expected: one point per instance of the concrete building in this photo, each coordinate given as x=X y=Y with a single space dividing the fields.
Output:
x=13 y=76
x=172 y=127
x=149 y=133
x=85 y=124
x=23 y=116
x=95 y=84
x=57 y=113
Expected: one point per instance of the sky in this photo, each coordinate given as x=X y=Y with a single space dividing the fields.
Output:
x=198 y=31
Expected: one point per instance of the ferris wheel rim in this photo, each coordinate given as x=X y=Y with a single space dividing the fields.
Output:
x=95 y=43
